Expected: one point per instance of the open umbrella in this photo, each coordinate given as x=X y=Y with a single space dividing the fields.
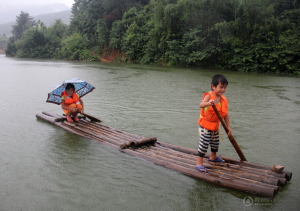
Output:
x=81 y=88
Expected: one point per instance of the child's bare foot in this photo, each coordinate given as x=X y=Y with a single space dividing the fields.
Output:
x=69 y=119
x=76 y=119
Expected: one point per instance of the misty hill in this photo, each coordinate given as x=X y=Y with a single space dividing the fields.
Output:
x=8 y=13
x=47 y=19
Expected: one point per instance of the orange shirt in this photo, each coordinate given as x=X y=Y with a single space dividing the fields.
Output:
x=208 y=118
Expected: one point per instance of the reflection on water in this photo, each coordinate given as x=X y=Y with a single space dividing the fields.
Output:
x=47 y=168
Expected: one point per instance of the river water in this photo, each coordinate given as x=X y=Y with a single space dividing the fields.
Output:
x=43 y=167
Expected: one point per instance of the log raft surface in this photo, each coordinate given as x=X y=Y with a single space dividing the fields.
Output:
x=255 y=179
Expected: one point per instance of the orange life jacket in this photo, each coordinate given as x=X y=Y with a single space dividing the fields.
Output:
x=70 y=100
x=209 y=119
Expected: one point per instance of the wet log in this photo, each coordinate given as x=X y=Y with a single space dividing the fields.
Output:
x=218 y=172
x=93 y=119
x=253 y=189
x=91 y=134
x=103 y=142
x=52 y=114
x=59 y=118
x=285 y=174
x=256 y=171
x=116 y=132
x=138 y=143
x=98 y=132
x=46 y=118
x=70 y=129
x=277 y=168
x=107 y=131
x=244 y=174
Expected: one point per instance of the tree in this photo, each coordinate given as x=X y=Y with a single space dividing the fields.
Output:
x=23 y=22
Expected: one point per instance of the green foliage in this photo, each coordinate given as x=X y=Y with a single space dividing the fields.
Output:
x=40 y=41
x=242 y=35
x=11 y=48
x=54 y=35
x=3 y=41
x=271 y=46
x=74 y=47
x=24 y=22
x=33 y=44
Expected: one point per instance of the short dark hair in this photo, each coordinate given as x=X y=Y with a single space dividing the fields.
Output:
x=219 y=79
x=69 y=86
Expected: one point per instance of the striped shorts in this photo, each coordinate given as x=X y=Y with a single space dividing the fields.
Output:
x=207 y=137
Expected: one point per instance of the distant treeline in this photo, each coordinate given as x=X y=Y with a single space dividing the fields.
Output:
x=47 y=19
x=243 y=35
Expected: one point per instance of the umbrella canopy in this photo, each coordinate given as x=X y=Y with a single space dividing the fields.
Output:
x=81 y=88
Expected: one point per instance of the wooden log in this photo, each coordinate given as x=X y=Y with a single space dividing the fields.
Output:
x=103 y=142
x=121 y=137
x=277 y=168
x=178 y=148
x=97 y=132
x=117 y=131
x=253 y=189
x=93 y=119
x=51 y=114
x=220 y=173
x=70 y=129
x=46 y=118
x=59 y=118
x=91 y=134
x=285 y=174
x=51 y=119
x=138 y=143
x=260 y=172
x=193 y=159
x=243 y=174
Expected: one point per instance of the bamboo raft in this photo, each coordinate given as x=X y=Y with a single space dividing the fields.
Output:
x=255 y=179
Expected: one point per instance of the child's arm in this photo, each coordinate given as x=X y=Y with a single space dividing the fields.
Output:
x=226 y=119
x=81 y=102
x=206 y=102
x=63 y=106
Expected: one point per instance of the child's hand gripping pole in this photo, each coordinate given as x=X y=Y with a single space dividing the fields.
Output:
x=232 y=140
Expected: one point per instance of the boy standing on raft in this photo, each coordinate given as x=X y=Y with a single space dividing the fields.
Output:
x=70 y=103
x=209 y=121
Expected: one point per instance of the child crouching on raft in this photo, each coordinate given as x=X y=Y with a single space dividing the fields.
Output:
x=70 y=103
x=209 y=121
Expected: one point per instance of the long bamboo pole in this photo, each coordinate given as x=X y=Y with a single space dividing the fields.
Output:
x=232 y=140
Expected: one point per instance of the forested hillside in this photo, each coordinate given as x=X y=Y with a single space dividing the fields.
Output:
x=244 y=35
